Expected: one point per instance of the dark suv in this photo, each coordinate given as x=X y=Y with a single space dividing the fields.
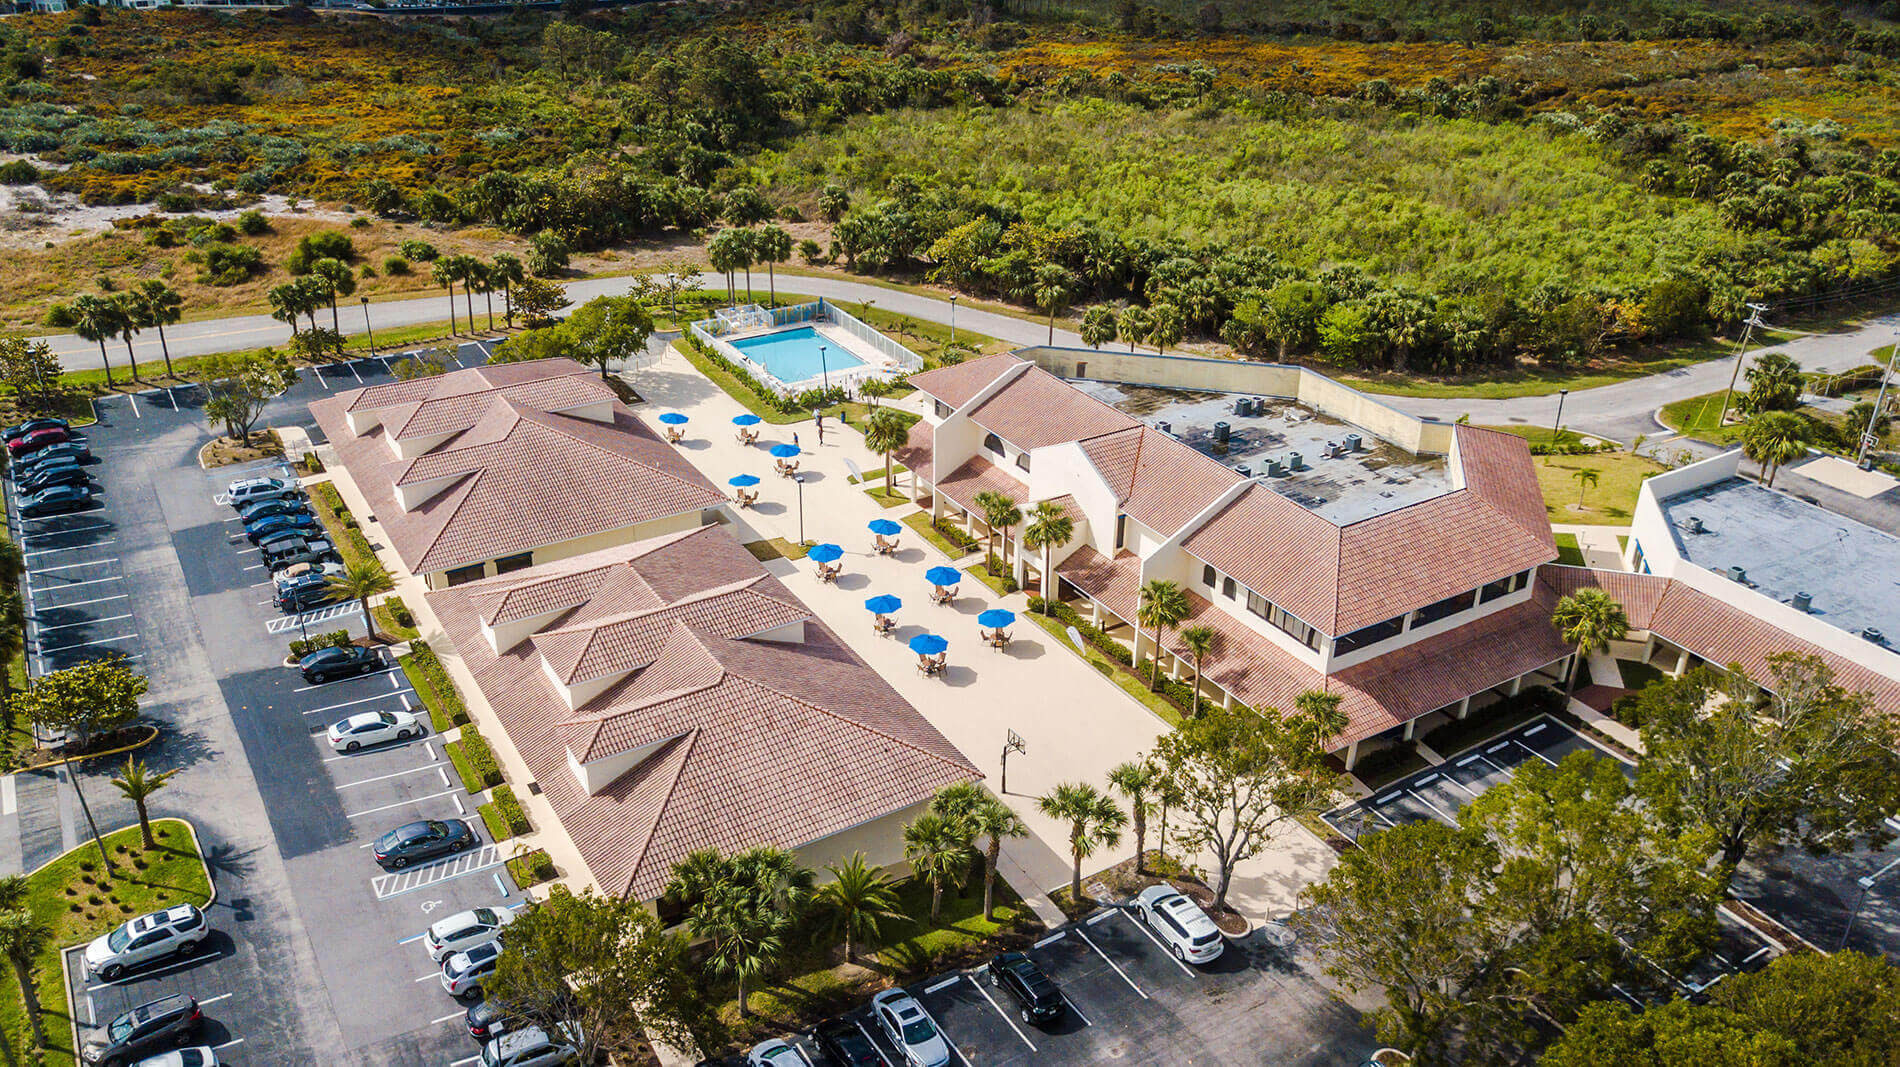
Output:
x=1035 y=992
x=846 y=1045
x=156 y=1026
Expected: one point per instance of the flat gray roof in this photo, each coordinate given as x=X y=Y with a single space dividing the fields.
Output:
x=1377 y=478
x=1786 y=546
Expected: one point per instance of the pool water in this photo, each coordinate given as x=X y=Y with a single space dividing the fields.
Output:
x=791 y=356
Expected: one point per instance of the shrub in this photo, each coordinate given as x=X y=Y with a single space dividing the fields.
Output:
x=328 y=244
x=504 y=816
x=18 y=172
x=474 y=760
x=395 y=265
x=304 y=646
x=359 y=223
x=311 y=464
x=418 y=250
x=400 y=612
x=532 y=869
x=253 y=223
x=547 y=254
x=432 y=683
x=226 y=264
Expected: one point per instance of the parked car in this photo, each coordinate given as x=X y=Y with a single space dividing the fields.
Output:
x=278 y=525
x=464 y=930
x=494 y=1017
x=264 y=509
x=533 y=1046
x=843 y=1043
x=252 y=490
x=56 y=501
x=910 y=1029
x=326 y=663
x=375 y=728
x=1039 y=998
x=462 y=972
x=275 y=540
x=297 y=550
x=303 y=594
x=418 y=841
x=69 y=449
x=55 y=475
x=178 y=931
x=155 y=1025
x=1180 y=923
x=21 y=429
x=28 y=443
x=777 y=1052
x=294 y=571
x=201 y=1056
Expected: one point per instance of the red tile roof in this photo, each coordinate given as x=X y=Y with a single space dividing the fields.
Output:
x=1160 y=482
x=915 y=454
x=979 y=475
x=517 y=477
x=955 y=385
x=1278 y=549
x=753 y=741
x=1036 y=408
x=1115 y=583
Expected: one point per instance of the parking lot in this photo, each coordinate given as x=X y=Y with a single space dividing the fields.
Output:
x=1128 y=999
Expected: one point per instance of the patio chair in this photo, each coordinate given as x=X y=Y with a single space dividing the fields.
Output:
x=883 y=625
x=675 y=435
x=999 y=639
x=746 y=499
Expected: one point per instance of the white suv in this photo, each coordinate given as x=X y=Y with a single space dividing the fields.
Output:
x=909 y=1027
x=533 y=1047
x=464 y=930
x=178 y=931
x=1180 y=923
x=252 y=490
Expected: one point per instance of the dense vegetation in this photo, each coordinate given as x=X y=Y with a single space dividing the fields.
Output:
x=1442 y=187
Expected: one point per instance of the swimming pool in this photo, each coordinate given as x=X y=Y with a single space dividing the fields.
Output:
x=792 y=356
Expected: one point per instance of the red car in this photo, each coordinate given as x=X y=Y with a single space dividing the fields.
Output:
x=37 y=440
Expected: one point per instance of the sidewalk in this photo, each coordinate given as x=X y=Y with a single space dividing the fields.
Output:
x=1075 y=723
x=1599 y=544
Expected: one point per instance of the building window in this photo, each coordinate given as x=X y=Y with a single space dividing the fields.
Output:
x=993 y=443
x=1637 y=562
x=1121 y=530
x=1282 y=620
x=1368 y=636
x=1207 y=575
x=1444 y=609
x=944 y=410
x=1503 y=586
x=1022 y=460
x=1258 y=604
x=1227 y=588
x=518 y=561
x=459 y=575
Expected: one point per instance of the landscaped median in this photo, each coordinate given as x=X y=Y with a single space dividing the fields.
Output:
x=431 y=682
x=945 y=538
x=345 y=534
x=76 y=902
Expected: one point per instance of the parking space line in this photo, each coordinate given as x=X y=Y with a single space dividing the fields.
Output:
x=74 y=530
x=227 y=1044
x=214 y=1000
x=91 y=581
x=1051 y=939
x=386 y=777
x=72 y=548
x=349 y=703
x=1105 y=959
x=426 y=977
x=446 y=1018
x=410 y=879
x=466 y=1062
x=371 y=674
x=71 y=566
x=134 y=398
x=881 y=1058
x=86 y=622
x=1004 y=1014
x=1533 y=751
x=1070 y=1001
x=1416 y=795
x=944 y=984
x=398 y=804
x=95 y=600
x=1149 y=934
x=87 y=644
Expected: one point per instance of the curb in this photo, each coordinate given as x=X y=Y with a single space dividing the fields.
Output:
x=135 y=746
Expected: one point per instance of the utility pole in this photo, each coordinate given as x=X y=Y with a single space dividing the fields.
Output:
x=1748 y=329
x=1869 y=439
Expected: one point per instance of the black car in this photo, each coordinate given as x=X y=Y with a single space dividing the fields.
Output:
x=155 y=1026
x=278 y=525
x=327 y=663
x=304 y=594
x=53 y=476
x=426 y=840
x=21 y=429
x=1035 y=992
x=494 y=1017
x=844 y=1043
x=74 y=451
x=264 y=509
x=57 y=501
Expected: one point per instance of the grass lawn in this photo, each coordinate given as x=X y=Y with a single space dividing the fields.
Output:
x=920 y=522
x=72 y=898
x=886 y=497
x=1696 y=417
x=876 y=475
x=994 y=581
x=1609 y=502
x=1538 y=435
x=1568 y=551
x=776 y=548
x=432 y=683
x=1542 y=382
x=386 y=622
x=1162 y=708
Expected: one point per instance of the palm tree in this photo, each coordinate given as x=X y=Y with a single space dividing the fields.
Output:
x=505 y=270
x=129 y=326
x=1054 y=286
x=1199 y=641
x=96 y=319
x=358 y=582
x=886 y=431
x=138 y=785
x=286 y=303
x=999 y=514
x=1134 y=324
x=1094 y=822
x=1586 y=478
x=482 y=275
x=466 y=268
x=857 y=896
x=774 y=246
x=1775 y=438
x=747 y=939
x=1166 y=326
x=159 y=305
x=937 y=848
x=1049 y=529
x=745 y=904
x=443 y=271
x=725 y=252
x=1135 y=780
x=1589 y=619
x=994 y=820
x=22 y=938
x=1162 y=604
x=1098 y=326
x=338 y=280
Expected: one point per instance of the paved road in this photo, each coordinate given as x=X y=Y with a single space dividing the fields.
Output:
x=1620 y=411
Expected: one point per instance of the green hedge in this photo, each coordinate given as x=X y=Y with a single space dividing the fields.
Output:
x=474 y=760
x=809 y=400
x=302 y=647
x=1180 y=694
x=432 y=683
x=532 y=869
x=344 y=532
x=504 y=816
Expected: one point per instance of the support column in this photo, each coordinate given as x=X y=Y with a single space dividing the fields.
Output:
x=936 y=506
x=1227 y=699
x=1517 y=684
x=1095 y=613
x=1411 y=727
x=1352 y=755
x=1020 y=567
x=1649 y=647
x=1682 y=663
x=1464 y=707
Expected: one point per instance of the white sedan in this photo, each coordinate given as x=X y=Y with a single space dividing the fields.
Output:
x=202 y=1056
x=374 y=728
x=777 y=1053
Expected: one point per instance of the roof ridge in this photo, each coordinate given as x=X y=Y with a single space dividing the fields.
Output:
x=467 y=489
x=739 y=586
x=748 y=679
x=687 y=740
x=577 y=439
x=1461 y=428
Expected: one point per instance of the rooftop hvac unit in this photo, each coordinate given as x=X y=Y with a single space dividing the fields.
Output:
x=1803 y=602
x=1295 y=461
x=1243 y=406
x=1165 y=427
x=1257 y=406
x=1244 y=471
x=1874 y=635
x=1221 y=432
x=1353 y=442
x=1737 y=574
x=1695 y=525
x=1333 y=448
x=1276 y=469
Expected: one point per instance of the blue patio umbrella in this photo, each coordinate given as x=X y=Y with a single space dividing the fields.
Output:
x=943 y=576
x=996 y=617
x=884 y=527
x=928 y=644
x=673 y=418
x=883 y=605
x=747 y=419
x=825 y=554
x=784 y=451
x=743 y=480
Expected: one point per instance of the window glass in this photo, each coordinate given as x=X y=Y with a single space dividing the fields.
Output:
x=943 y=410
x=459 y=575
x=1444 y=609
x=518 y=561
x=1370 y=635
x=993 y=443
x=1227 y=588
x=1022 y=460
x=1207 y=575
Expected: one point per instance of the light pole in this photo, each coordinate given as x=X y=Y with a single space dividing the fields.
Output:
x=799 y=480
x=953 y=318
x=1557 y=426
x=1754 y=320
x=1868 y=439
x=366 y=328
x=1866 y=883
x=824 y=370
x=1012 y=743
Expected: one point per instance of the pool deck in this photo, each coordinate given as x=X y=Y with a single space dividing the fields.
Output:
x=874 y=362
